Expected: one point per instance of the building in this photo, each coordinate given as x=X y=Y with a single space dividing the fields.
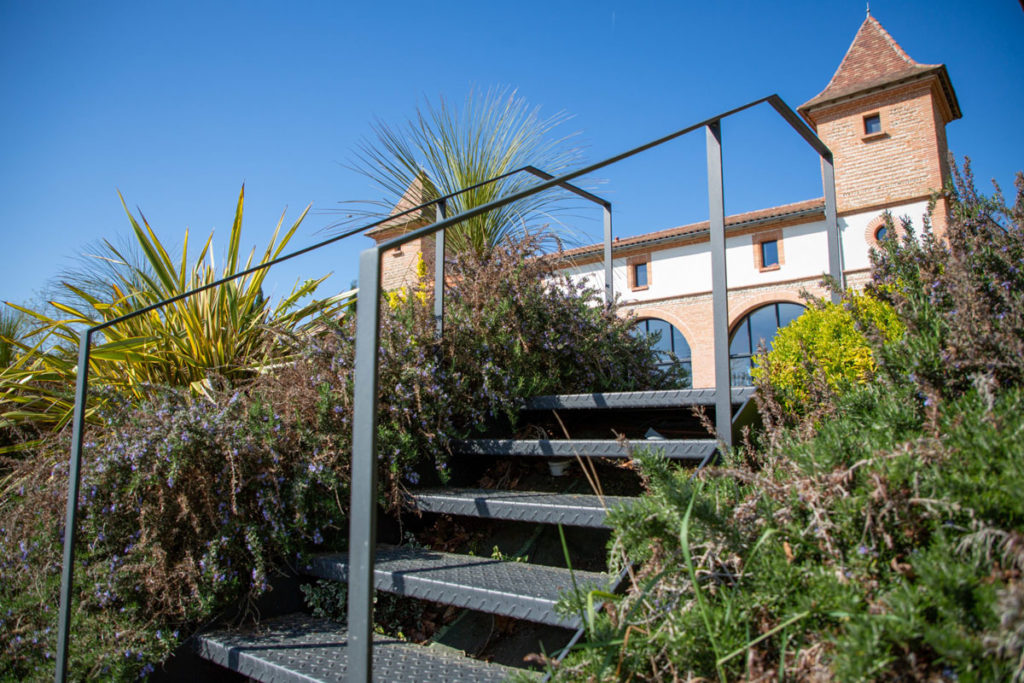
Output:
x=882 y=114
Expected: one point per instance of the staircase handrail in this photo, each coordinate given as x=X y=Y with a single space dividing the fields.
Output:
x=363 y=511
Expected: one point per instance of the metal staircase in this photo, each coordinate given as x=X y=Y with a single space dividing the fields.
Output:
x=302 y=648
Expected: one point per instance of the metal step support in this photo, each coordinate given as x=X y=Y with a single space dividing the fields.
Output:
x=303 y=649
x=511 y=589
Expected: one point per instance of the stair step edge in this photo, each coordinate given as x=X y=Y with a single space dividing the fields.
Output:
x=298 y=648
x=667 y=398
x=584 y=510
x=512 y=589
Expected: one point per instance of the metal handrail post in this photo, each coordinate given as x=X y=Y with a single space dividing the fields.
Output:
x=71 y=520
x=828 y=182
x=835 y=250
x=439 y=249
x=719 y=284
x=363 y=510
x=609 y=284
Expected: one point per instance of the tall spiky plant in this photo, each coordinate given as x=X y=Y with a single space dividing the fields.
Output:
x=229 y=331
x=448 y=148
x=12 y=325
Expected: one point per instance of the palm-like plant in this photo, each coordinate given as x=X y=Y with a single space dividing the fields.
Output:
x=230 y=331
x=12 y=324
x=448 y=150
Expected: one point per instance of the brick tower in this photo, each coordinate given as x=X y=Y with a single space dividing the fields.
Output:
x=884 y=117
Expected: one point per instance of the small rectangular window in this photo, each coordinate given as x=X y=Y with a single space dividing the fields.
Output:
x=872 y=124
x=640 y=275
x=769 y=253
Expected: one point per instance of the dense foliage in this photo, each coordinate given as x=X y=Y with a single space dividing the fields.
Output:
x=826 y=350
x=191 y=503
x=880 y=538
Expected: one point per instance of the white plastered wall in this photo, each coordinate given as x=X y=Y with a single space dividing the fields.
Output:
x=686 y=270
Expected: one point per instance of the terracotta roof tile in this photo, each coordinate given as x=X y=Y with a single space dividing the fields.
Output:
x=873 y=60
x=774 y=213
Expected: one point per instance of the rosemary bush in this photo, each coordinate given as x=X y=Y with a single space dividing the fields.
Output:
x=878 y=536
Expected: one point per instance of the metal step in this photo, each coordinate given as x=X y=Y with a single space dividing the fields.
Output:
x=302 y=649
x=673 y=398
x=695 y=450
x=522 y=506
x=511 y=589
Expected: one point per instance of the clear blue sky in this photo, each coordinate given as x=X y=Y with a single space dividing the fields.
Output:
x=176 y=104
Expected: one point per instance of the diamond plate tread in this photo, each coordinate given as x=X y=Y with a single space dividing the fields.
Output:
x=672 y=398
x=676 y=449
x=299 y=648
x=523 y=506
x=512 y=589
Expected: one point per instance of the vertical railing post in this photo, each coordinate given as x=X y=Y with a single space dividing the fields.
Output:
x=719 y=284
x=71 y=521
x=439 y=249
x=835 y=250
x=609 y=285
x=363 y=511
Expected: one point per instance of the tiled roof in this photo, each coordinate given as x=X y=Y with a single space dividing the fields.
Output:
x=750 y=218
x=875 y=60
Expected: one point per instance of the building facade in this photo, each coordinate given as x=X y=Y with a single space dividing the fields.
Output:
x=882 y=114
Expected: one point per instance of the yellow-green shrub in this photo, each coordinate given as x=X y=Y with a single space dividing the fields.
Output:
x=826 y=342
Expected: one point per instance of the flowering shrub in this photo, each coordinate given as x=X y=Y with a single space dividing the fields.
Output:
x=962 y=296
x=185 y=506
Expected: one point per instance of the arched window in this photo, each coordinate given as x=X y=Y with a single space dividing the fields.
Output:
x=670 y=345
x=756 y=328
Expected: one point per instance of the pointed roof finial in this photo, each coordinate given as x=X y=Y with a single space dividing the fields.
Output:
x=867 y=5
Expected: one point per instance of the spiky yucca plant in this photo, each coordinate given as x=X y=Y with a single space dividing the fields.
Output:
x=447 y=149
x=229 y=332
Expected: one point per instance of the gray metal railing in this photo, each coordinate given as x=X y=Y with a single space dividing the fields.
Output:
x=85 y=344
x=363 y=512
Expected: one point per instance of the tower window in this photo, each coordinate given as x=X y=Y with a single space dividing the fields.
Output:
x=872 y=124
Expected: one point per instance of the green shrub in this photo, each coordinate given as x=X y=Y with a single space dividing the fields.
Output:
x=882 y=544
x=825 y=345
